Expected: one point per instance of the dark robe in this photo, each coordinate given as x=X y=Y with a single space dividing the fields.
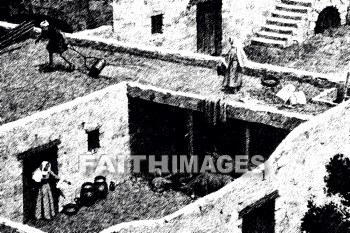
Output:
x=232 y=76
x=57 y=42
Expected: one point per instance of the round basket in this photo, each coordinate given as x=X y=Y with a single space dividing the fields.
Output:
x=269 y=81
x=70 y=209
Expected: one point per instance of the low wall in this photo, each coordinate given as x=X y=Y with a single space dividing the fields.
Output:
x=295 y=170
x=15 y=227
x=67 y=123
x=252 y=113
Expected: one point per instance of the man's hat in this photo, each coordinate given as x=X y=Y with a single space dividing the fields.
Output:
x=44 y=23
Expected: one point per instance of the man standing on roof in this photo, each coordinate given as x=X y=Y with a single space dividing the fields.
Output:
x=57 y=43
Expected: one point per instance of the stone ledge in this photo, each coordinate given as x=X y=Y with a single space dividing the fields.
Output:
x=19 y=227
x=253 y=113
x=316 y=79
x=321 y=98
x=185 y=57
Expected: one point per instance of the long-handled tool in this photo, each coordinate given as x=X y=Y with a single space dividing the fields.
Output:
x=345 y=97
x=97 y=66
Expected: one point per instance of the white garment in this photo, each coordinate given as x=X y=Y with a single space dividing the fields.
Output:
x=286 y=92
x=241 y=56
x=299 y=97
x=39 y=173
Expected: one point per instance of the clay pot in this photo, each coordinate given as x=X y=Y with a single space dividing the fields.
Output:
x=77 y=201
x=70 y=209
x=87 y=194
x=270 y=81
x=112 y=186
x=101 y=187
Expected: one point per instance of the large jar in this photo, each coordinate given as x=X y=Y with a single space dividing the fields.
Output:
x=101 y=187
x=87 y=194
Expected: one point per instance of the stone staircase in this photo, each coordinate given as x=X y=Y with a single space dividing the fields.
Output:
x=282 y=23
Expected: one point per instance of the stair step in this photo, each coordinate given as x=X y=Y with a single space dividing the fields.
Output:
x=268 y=42
x=279 y=29
x=306 y=3
x=292 y=8
x=273 y=35
x=282 y=22
x=287 y=14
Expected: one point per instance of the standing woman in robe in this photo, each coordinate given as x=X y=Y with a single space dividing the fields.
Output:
x=233 y=78
x=44 y=208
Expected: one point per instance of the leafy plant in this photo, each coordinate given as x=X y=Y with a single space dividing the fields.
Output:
x=331 y=218
x=338 y=179
x=325 y=219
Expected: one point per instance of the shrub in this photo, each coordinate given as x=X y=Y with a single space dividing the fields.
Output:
x=338 y=179
x=325 y=219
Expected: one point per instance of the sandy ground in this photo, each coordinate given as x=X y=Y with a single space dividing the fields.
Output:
x=28 y=87
x=132 y=200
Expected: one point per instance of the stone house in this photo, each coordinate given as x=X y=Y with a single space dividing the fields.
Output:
x=204 y=26
x=130 y=118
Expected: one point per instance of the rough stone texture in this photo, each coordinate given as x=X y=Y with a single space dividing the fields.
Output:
x=317 y=7
x=235 y=110
x=186 y=57
x=107 y=108
x=132 y=21
x=16 y=227
x=80 y=15
x=296 y=170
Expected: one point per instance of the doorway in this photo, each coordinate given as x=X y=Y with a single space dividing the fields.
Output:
x=209 y=27
x=328 y=18
x=260 y=216
x=31 y=160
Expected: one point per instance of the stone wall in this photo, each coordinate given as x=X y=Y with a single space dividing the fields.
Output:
x=106 y=109
x=79 y=14
x=132 y=21
x=296 y=170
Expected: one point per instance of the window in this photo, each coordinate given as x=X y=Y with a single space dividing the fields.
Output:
x=260 y=216
x=157 y=23
x=93 y=139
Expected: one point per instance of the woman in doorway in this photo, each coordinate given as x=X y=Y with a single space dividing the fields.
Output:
x=44 y=208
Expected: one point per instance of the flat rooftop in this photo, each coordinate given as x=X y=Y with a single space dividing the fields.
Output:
x=27 y=88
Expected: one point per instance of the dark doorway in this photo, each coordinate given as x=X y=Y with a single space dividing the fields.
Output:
x=156 y=129
x=209 y=27
x=260 y=219
x=224 y=138
x=31 y=161
x=265 y=139
x=328 y=18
